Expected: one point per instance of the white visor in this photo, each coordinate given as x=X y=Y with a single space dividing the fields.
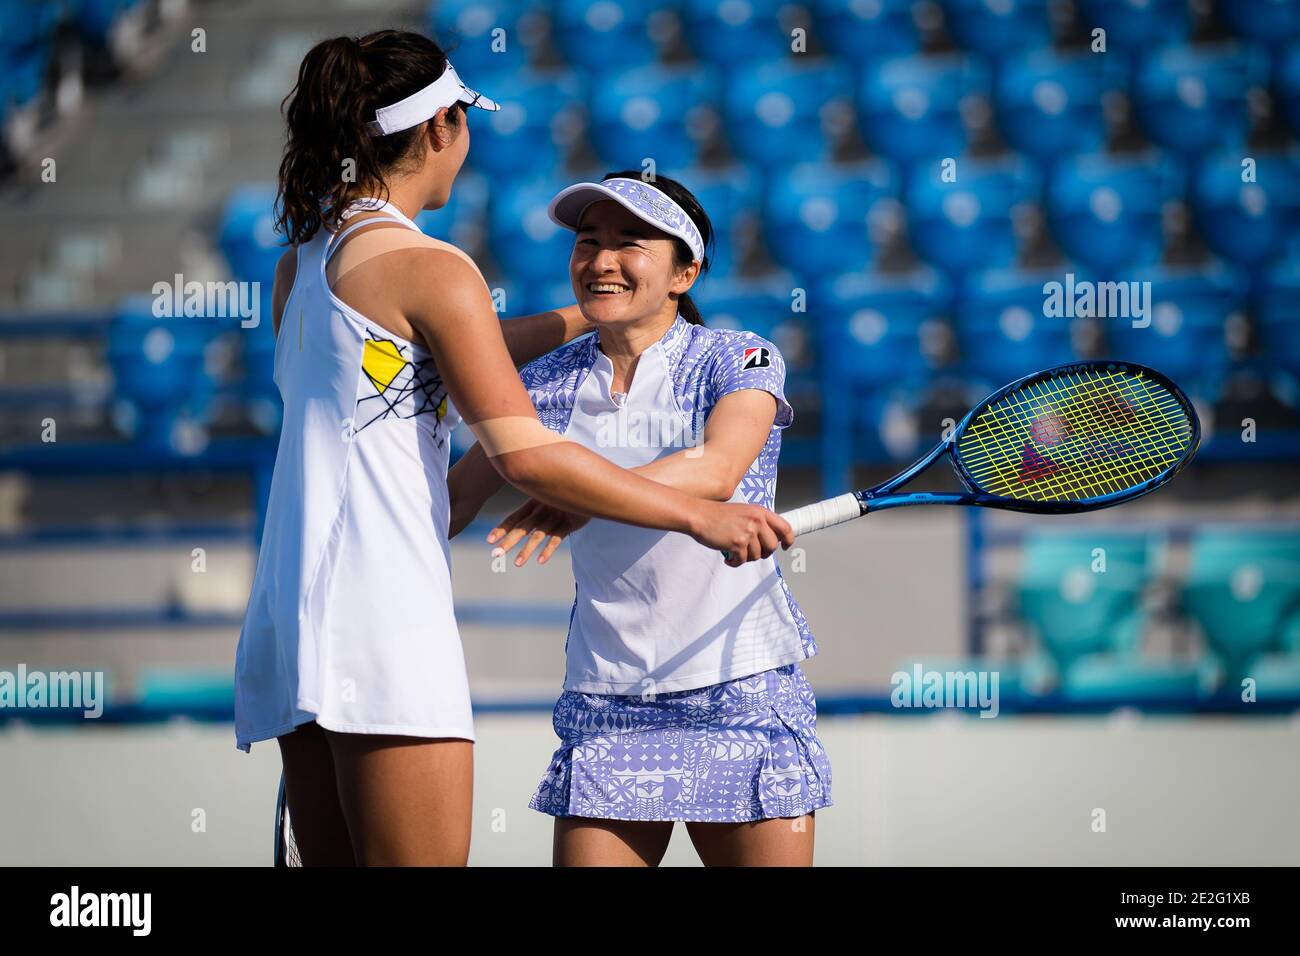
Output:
x=641 y=198
x=423 y=104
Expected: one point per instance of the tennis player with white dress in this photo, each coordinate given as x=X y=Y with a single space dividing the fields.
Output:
x=349 y=655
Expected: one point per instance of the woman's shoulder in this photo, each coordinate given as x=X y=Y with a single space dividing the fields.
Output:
x=442 y=245
x=715 y=348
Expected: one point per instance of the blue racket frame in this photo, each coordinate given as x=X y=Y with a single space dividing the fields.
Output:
x=881 y=497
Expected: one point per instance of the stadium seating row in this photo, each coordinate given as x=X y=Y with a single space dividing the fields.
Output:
x=29 y=31
x=596 y=35
x=1188 y=100
x=1105 y=213
x=1087 y=603
x=1083 y=597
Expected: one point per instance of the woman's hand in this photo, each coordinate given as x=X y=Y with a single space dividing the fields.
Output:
x=538 y=523
x=745 y=532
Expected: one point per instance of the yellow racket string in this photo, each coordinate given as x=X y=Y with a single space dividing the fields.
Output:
x=1077 y=436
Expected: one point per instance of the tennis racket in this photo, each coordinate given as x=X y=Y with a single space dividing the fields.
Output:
x=286 y=850
x=1072 y=438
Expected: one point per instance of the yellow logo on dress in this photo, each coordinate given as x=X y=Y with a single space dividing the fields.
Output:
x=382 y=362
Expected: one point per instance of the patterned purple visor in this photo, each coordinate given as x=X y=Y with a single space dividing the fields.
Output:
x=640 y=198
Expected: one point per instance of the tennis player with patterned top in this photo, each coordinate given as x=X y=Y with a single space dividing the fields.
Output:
x=683 y=697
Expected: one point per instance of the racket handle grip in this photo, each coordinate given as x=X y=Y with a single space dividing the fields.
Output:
x=820 y=515
x=824 y=514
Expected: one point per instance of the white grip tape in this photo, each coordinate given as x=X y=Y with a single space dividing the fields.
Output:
x=823 y=514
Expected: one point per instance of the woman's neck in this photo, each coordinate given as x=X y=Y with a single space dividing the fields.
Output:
x=405 y=194
x=623 y=344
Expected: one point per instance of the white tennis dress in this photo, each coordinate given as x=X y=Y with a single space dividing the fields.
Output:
x=350 y=619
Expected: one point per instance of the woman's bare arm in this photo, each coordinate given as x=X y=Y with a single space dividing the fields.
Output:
x=734 y=435
x=470 y=483
x=448 y=304
x=532 y=336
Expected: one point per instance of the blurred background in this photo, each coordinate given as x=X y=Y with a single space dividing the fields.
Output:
x=1150 y=141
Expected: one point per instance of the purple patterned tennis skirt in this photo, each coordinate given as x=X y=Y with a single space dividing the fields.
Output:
x=742 y=750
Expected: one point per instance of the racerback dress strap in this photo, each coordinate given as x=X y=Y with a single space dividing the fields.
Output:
x=367 y=204
x=336 y=240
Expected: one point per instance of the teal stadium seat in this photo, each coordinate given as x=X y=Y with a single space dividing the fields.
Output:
x=169 y=689
x=1277 y=677
x=1074 y=610
x=1243 y=592
x=1119 y=678
x=1091 y=622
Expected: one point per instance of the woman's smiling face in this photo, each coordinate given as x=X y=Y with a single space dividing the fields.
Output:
x=622 y=267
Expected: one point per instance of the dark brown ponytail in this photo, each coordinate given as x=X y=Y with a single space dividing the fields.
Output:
x=682 y=255
x=341 y=82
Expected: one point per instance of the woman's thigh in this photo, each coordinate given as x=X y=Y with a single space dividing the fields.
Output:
x=586 y=841
x=319 y=828
x=776 y=842
x=408 y=801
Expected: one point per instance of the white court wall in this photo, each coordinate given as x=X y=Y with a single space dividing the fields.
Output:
x=908 y=790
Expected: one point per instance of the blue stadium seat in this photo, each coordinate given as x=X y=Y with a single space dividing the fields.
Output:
x=1137 y=26
x=760 y=305
x=1189 y=312
x=1247 y=222
x=26 y=23
x=872 y=332
x=96 y=18
x=599 y=35
x=777 y=113
x=1276 y=301
x=733 y=32
x=556 y=294
x=26 y=41
x=910 y=107
x=522 y=238
x=1002 y=332
x=1048 y=104
x=652 y=112
x=731 y=197
x=1073 y=607
x=1241 y=589
x=1286 y=84
x=866 y=29
x=535 y=127
x=1270 y=22
x=817 y=215
x=870 y=327
x=1106 y=212
x=462 y=220
x=967 y=224
x=467 y=29
x=247 y=237
x=260 y=394
x=22 y=75
x=1191 y=99
x=160 y=373
x=997 y=28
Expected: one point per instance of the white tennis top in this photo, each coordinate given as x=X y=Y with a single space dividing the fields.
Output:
x=350 y=622
x=655 y=611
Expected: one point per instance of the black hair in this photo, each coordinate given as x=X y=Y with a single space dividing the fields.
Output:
x=341 y=82
x=682 y=254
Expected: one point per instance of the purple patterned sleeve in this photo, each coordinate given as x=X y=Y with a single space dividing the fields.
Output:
x=746 y=360
x=552 y=381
